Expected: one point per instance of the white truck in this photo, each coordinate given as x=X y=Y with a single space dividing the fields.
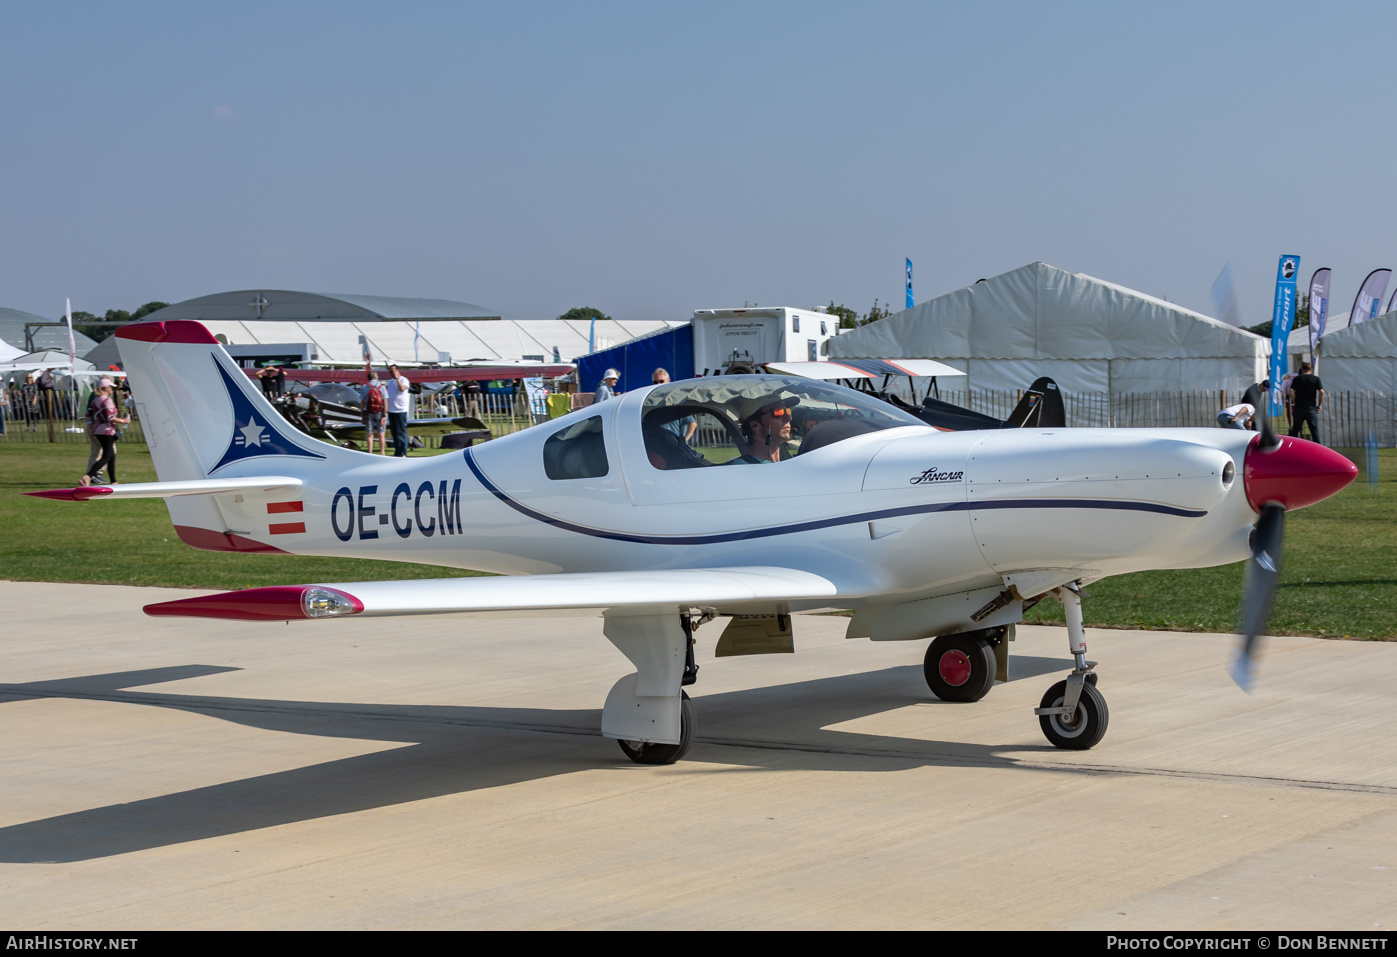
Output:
x=758 y=334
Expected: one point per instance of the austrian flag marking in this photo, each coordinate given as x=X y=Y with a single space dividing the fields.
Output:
x=285 y=528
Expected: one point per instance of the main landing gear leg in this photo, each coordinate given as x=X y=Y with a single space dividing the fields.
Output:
x=1073 y=713
x=647 y=712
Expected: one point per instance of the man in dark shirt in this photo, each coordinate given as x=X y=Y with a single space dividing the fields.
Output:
x=1307 y=398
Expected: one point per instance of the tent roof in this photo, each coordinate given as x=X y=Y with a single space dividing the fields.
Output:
x=1041 y=312
x=12 y=323
x=463 y=339
x=1374 y=338
x=287 y=304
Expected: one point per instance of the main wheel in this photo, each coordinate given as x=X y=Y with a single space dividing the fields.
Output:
x=643 y=752
x=1088 y=725
x=959 y=667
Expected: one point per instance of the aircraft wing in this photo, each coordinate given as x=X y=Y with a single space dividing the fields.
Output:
x=862 y=368
x=255 y=483
x=521 y=595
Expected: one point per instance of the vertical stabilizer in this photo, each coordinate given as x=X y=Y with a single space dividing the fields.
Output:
x=203 y=418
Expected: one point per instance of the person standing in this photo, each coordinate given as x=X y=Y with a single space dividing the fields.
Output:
x=373 y=400
x=398 y=404
x=607 y=389
x=473 y=392
x=29 y=398
x=46 y=387
x=1306 y=399
x=103 y=425
x=685 y=427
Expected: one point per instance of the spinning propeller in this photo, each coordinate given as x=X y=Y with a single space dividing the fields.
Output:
x=1278 y=474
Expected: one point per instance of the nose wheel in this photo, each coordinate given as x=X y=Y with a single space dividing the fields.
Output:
x=1082 y=726
x=1073 y=714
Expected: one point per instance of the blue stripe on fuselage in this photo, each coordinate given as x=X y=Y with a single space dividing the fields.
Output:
x=797 y=527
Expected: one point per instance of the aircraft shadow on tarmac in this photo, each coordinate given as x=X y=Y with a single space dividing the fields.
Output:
x=448 y=750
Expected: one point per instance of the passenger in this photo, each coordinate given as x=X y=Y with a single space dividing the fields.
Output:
x=766 y=428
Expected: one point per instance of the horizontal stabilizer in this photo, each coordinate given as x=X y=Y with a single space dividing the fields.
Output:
x=522 y=595
x=254 y=483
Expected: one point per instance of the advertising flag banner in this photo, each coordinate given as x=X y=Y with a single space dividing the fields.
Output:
x=1319 y=307
x=1282 y=318
x=1365 y=304
x=72 y=346
x=909 y=284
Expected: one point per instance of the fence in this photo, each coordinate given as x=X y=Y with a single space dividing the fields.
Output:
x=56 y=416
x=1348 y=419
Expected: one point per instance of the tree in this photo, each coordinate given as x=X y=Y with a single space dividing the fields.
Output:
x=875 y=313
x=1302 y=318
x=98 y=333
x=848 y=318
x=584 y=312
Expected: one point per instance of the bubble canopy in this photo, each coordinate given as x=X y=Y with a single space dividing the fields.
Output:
x=756 y=419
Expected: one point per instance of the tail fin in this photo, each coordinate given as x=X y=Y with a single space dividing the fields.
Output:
x=1040 y=408
x=202 y=418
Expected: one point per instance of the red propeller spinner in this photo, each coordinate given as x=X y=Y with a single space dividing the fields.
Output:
x=1294 y=473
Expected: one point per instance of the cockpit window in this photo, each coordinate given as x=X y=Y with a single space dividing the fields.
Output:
x=578 y=451
x=699 y=423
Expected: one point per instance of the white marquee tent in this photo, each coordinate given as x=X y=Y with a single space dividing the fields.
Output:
x=1089 y=335
x=409 y=342
x=1361 y=358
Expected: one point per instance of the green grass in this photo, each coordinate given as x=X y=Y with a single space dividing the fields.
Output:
x=133 y=542
x=1339 y=576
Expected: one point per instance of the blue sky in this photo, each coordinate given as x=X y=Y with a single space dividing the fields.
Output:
x=650 y=159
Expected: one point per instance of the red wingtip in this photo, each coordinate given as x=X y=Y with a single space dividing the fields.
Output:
x=277 y=603
x=1294 y=474
x=80 y=494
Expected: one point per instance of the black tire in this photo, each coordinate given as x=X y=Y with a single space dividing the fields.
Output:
x=1091 y=718
x=645 y=753
x=959 y=667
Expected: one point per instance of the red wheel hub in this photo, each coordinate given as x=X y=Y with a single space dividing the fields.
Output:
x=954 y=668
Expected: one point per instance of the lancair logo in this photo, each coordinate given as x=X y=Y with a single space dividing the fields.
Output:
x=932 y=475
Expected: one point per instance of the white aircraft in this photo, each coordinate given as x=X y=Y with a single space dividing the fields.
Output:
x=674 y=504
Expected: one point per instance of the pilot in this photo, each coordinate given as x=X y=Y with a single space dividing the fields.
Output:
x=766 y=427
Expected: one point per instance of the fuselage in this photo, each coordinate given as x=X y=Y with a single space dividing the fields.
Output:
x=898 y=514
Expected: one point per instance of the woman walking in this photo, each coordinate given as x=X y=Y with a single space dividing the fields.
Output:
x=102 y=426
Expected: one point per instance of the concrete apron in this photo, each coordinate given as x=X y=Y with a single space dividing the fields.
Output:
x=443 y=773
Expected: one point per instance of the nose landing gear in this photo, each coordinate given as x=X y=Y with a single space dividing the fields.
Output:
x=1073 y=714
